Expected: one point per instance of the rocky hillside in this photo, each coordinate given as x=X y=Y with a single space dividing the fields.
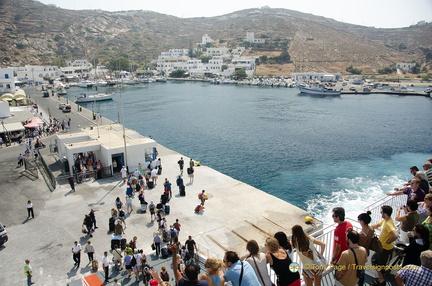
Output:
x=34 y=33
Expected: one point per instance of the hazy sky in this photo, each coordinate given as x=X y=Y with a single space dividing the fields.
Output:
x=376 y=13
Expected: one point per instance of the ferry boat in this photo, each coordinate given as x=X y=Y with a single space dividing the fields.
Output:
x=317 y=89
x=94 y=97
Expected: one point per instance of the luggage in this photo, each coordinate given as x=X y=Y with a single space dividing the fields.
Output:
x=115 y=242
x=182 y=190
x=164 y=252
x=111 y=224
x=165 y=236
x=167 y=209
x=143 y=208
x=95 y=265
x=129 y=191
x=123 y=244
x=159 y=206
x=159 y=170
x=150 y=185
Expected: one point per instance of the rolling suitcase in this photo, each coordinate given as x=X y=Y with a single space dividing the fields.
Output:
x=111 y=224
x=95 y=265
x=164 y=252
x=123 y=244
x=114 y=242
x=159 y=171
x=150 y=185
x=182 y=190
x=143 y=208
x=167 y=209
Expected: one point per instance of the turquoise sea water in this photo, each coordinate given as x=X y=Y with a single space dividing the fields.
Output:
x=312 y=151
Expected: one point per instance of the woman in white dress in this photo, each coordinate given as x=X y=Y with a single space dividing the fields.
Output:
x=258 y=262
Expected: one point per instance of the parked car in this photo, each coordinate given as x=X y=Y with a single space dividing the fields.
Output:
x=61 y=105
x=45 y=94
x=3 y=234
x=67 y=108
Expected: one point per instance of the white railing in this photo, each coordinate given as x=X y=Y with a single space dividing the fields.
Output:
x=394 y=201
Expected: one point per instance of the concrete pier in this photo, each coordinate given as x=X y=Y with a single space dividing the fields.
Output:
x=234 y=213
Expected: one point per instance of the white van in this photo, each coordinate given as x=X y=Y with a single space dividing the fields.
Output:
x=3 y=234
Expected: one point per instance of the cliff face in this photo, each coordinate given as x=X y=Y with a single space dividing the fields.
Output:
x=34 y=33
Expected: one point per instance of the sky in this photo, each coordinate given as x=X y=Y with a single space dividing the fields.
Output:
x=373 y=13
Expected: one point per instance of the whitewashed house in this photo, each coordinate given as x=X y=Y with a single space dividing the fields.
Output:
x=7 y=81
x=406 y=66
x=36 y=74
x=250 y=37
x=206 y=39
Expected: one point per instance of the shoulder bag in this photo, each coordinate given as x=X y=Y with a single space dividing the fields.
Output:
x=375 y=244
x=318 y=258
x=259 y=272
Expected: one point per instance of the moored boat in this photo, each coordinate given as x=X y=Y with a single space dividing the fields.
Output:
x=94 y=97
x=317 y=89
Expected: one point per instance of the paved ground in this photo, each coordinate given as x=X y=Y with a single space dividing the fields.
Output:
x=235 y=212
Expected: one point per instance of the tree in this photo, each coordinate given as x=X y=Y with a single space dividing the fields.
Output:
x=353 y=70
x=224 y=67
x=178 y=73
x=415 y=69
x=263 y=59
x=58 y=62
x=205 y=59
x=240 y=74
x=118 y=64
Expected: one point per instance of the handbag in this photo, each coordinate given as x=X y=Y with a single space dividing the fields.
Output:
x=318 y=258
x=375 y=244
x=153 y=246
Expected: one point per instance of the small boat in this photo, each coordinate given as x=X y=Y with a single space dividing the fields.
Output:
x=318 y=89
x=94 y=97
x=86 y=84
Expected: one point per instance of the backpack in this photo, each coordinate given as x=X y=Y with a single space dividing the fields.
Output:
x=173 y=233
x=152 y=208
x=121 y=213
x=189 y=171
x=133 y=261
x=134 y=181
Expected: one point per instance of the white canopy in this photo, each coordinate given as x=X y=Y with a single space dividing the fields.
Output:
x=9 y=127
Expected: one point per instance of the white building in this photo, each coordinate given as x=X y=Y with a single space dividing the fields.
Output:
x=36 y=74
x=7 y=81
x=206 y=39
x=218 y=52
x=250 y=37
x=406 y=66
x=107 y=143
x=323 y=77
x=214 y=65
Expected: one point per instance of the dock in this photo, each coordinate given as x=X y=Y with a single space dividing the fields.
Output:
x=234 y=213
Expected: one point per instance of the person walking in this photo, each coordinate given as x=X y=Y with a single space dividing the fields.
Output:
x=71 y=183
x=93 y=217
x=76 y=250
x=124 y=173
x=28 y=272
x=181 y=164
x=29 y=207
x=89 y=249
x=20 y=160
x=157 y=242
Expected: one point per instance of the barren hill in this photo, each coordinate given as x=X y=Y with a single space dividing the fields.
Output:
x=34 y=33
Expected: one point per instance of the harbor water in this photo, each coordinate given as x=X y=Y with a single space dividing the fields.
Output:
x=316 y=152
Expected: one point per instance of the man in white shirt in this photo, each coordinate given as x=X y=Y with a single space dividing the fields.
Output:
x=105 y=265
x=137 y=268
x=76 y=250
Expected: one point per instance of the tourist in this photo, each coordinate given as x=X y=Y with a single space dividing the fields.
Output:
x=30 y=211
x=133 y=243
x=202 y=196
x=427 y=166
x=387 y=238
x=145 y=268
x=340 y=243
x=284 y=242
x=118 y=229
x=190 y=172
x=190 y=274
x=424 y=183
x=177 y=226
x=167 y=188
x=164 y=274
x=137 y=267
x=214 y=273
x=414 y=192
x=355 y=255
x=20 y=160
x=71 y=183
x=89 y=249
x=428 y=224
x=172 y=234
x=127 y=263
x=93 y=217
x=418 y=242
x=88 y=223
x=414 y=276
x=181 y=164
x=117 y=257
x=123 y=172
x=129 y=208
x=422 y=207
x=157 y=243
x=304 y=244
x=152 y=209
x=191 y=246
x=76 y=254
x=153 y=175
x=366 y=234
x=408 y=219
x=118 y=203
x=258 y=261
x=235 y=268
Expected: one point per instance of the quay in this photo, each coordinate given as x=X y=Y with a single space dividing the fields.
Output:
x=234 y=213
x=385 y=92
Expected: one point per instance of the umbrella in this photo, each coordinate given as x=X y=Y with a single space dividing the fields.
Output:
x=37 y=121
x=31 y=125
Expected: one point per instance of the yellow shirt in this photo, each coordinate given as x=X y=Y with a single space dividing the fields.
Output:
x=386 y=233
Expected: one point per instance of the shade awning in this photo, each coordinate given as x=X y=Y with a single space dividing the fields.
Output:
x=9 y=127
x=31 y=125
x=37 y=121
